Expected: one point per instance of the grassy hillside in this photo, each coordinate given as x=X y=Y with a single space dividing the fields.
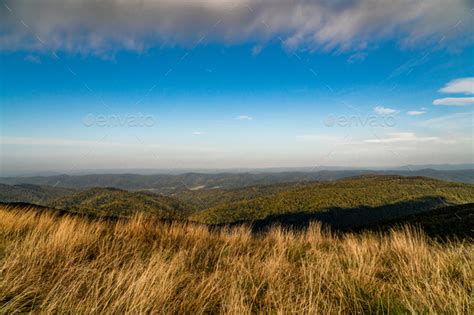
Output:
x=119 y=203
x=31 y=193
x=364 y=191
x=70 y=265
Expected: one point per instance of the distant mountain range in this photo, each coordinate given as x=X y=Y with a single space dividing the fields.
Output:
x=149 y=171
x=438 y=167
x=169 y=184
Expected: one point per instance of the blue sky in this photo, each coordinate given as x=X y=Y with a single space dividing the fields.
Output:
x=230 y=99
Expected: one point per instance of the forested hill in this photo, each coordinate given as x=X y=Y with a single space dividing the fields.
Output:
x=113 y=202
x=40 y=195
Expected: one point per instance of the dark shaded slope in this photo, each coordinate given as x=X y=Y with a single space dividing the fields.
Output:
x=349 y=219
x=446 y=222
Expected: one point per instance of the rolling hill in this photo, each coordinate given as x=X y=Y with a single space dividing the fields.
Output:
x=41 y=195
x=113 y=202
x=207 y=198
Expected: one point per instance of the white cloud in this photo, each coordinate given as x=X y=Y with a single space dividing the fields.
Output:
x=384 y=110
x=401 y=137
x=462 y=85
x=415 y=113
x=244 y=117
x=88 y=26
x=199 y=133
x=454 y=101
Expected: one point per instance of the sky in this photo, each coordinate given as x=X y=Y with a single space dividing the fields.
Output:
x=209 y=84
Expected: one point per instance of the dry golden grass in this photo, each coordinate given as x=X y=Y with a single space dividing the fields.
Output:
x=52 y=264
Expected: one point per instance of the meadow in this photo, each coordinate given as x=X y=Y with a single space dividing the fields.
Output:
x=52 y=263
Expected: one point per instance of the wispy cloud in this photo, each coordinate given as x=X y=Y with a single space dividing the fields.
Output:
x=357 y=57
x=257 y=49
x=54 y=142
x=384 y=110
x=462 y=85
x=33 y=59
x=91 y=144
x=319 y=138
x=244 y=117
x=415 y=112
x=199 y=133
x=400 y=137
x=101 y=26
x=457 y=121
x=454 y=101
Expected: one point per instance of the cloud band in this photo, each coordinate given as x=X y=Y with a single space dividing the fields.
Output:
x=101 y=26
